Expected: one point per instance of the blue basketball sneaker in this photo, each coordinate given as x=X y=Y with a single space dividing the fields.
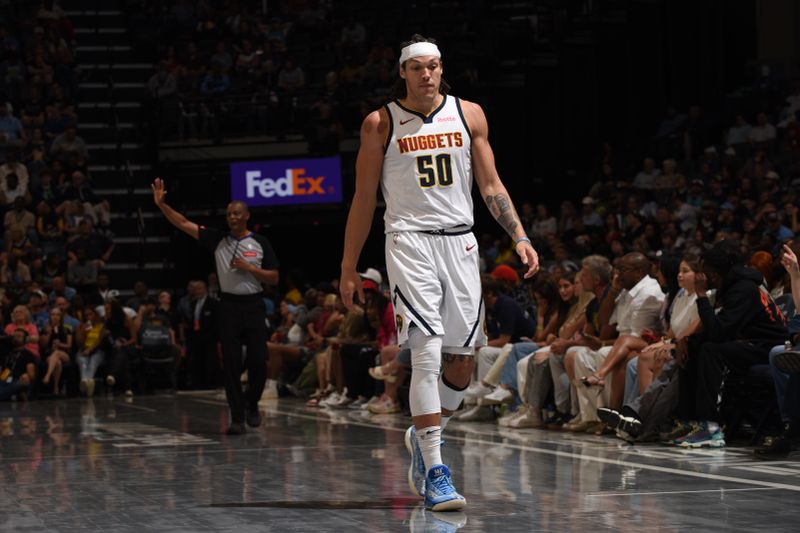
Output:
x=440 y=494
x=416 y=470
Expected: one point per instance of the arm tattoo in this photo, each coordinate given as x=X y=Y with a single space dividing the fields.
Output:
x=502 y=210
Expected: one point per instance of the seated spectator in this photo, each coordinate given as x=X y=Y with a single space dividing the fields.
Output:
x=600 y=372
x=82 y=274
x=13 y=166
x=53 y=267
x=11 y=130
x=18 y=371
x=72 y=322
x=291 y=77
x=15 y=276
x=10 y=190
x=681 y=319
x=56 y=342
x=49 y=229
x=21 y=320
x=37 y=305
x=140 y=294
x=61 y=289
x=19 y=218
x=20 y=244
x=787 y=379
x=70 y=148
x=79 y=189
x=92 y=342
x=740 y=334
x=98 y=247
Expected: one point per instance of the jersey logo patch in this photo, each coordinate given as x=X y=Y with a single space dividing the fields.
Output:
x=470 y=247
x=250 y=254
x=406 y=121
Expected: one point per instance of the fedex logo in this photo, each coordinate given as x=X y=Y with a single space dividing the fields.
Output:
x=293 y=183
x=285 y=182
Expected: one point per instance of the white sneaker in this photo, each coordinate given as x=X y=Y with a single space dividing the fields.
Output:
x=343 y=402
x=129 y=393
x=475 y=391
x=497 y=397
x=110 y=380
x=270 y=390
x=509 y=419
x=529 y=419
x=330 y=399
x=358 y=403
x=479 y=413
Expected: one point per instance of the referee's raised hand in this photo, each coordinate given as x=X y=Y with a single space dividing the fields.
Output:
x=159 y=193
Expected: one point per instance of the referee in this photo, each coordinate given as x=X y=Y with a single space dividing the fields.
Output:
x=244 y=260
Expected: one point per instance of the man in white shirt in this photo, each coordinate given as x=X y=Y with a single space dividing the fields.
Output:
x=637 y=314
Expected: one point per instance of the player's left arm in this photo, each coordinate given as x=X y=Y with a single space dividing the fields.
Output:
x=492 y=190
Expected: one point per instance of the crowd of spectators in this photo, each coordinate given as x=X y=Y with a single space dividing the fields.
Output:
x=229 y=68
x=55 y=239
x=616 y=310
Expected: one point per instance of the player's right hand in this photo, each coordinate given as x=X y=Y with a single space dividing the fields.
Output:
x=159 y=193
x=349 y=285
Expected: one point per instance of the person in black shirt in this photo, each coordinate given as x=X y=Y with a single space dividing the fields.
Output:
x=19 y=367
x=244 y=260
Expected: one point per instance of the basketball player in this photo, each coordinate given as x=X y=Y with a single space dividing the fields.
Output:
x=423 y=149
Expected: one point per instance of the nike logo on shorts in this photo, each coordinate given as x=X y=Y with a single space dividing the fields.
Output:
x=406 y=121
x=470 y=247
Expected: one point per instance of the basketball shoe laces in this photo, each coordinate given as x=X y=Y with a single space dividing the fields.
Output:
x=443 y=484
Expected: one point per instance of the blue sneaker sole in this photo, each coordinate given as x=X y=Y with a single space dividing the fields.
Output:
x=410 y=448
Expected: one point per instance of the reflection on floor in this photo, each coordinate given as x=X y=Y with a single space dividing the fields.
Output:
x=161 y=463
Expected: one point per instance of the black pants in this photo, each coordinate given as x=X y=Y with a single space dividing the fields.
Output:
x=201 y=361
x=701 y=379
x=242 y=323
x=356 y=362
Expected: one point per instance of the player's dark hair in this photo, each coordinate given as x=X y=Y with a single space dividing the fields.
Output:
x=399 y=89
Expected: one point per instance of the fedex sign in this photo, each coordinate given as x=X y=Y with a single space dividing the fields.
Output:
x=287 y=181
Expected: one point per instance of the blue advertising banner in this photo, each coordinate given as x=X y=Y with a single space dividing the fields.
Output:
x=287 y=181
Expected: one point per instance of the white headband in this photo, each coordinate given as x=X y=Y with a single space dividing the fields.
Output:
x=419 y=49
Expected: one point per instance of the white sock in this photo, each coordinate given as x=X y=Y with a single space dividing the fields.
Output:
x=445 y=420
x=430 y=440
x=712 y=427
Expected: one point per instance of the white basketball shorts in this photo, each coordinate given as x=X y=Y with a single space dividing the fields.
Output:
x=436 y=286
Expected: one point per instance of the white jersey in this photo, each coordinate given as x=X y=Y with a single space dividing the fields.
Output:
x=427 y=168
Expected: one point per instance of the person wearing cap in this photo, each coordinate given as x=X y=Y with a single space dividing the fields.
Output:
x=422 y=149
x=244 y=261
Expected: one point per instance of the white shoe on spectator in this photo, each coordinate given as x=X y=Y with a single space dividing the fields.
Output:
x=270 y=390
x=529 y=419
x=129 y=393
x=479 y=413
x=358 y=403
x=384 y=407
x=497 y=397
x=475 y=391
x=111 y=380
x=343 y=402
x=331 y=398
x=505 y=421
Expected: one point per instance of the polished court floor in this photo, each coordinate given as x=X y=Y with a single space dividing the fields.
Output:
x=160 y=463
